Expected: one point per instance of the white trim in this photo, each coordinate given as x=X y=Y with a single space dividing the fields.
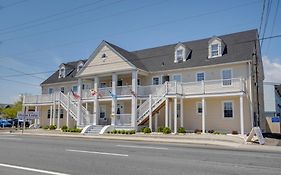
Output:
x=233 y=114
x=199 y=73
x=159 y=81
x=231 y=77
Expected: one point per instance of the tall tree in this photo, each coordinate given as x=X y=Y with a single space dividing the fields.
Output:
x=12 y=111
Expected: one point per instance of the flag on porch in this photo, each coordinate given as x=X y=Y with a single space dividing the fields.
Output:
x=93 y=92
x=75 y=95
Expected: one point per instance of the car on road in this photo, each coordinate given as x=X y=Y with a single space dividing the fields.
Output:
x=5 y=123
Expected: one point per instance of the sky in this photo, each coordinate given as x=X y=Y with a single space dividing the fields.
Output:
x=36 y=36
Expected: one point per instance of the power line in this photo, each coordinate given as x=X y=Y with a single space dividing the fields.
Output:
x=13 y=4
x=269 y=2
x=57 y=19
x=15 y=70
x=262 y=15
x=144 y=27
x=85 y=22
x=20 y=82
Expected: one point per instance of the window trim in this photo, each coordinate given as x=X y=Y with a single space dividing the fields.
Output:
x=199 y=73
x=180 y=74
x=215 y=41
x=233 y=111
x=159 y=80
x=231 y=72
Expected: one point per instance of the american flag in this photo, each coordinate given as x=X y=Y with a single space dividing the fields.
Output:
x=75 y=95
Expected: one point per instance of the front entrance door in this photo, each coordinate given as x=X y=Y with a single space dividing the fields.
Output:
x=103 y=120
x=119 y=112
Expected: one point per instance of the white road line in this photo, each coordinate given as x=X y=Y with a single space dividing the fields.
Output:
x=142 y=147
x=32 y=169
x=93 y=152
x=10 y=138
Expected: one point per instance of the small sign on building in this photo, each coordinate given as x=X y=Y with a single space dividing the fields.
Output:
x=275 y=120
x=28 y=115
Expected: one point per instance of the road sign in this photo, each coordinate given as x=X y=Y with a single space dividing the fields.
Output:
x=275 y=119
x=256 y=131
x=28 y=115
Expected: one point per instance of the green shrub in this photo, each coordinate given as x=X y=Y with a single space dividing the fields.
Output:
x=160 y=129
x=64 y=127
x=142 y=129
x=119 y=132
x=53 y=127
x=46 y=127
x=147 y=130
x=127 y=132
x=211 y=131
x=108 y=132
x=197 y=131
x=114 y=131
x=181 y=130
x=123 y=132
x=234 y=132
x=132 y=132
x=166 y=130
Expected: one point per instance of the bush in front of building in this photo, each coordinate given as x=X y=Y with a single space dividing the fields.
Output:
x=77 y=130
x=46 y=127
x=197 y=131
x=181 y=130
x=64 y=127
x=160 y=129
x=121 y=132
x=235 y=132
x=147 y=130
x=167 y=130
x=211 y=131
x=53 y=127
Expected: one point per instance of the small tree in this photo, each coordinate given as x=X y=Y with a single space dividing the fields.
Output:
x=12 y=111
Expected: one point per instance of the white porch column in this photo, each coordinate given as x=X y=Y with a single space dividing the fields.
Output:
x=36 y=121
x=79 y=88
x=203 y=115
x=67 y=111
x=156 y=121
x=51 y=114
x=181 y=112
x=96 y=101
x=150 y=112
x=170 y=115
x=114 y=100
x=134 y=98
x=241 y=115
x=175 y=115
x=58 y=119
x=166 y=112
x=54 y=113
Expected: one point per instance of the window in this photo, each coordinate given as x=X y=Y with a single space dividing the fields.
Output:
x=119 y=83
x=228 y=109
x=226 y=77
x=178 y=110
x=79 y=67
x=49 y=113
x=200 y=76
x=177 y=78
x=165 y=78
x=155 y=80
x=50 y=90
x=139 y=82
x=62 y=72
x=179 y=54
x=62 y=89
x=102 y=84
x=199 y=108
x=75 y=88
x=61 y=113
x=214 y=50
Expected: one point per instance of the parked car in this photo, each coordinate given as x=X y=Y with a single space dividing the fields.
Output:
x=20 y=122
x=5 y=123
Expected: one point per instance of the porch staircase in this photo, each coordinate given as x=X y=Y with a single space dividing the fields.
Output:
x=95 y=130
x=71 y=104
x=157 y=101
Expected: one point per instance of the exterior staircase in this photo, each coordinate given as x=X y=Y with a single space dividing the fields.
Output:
x=95 y=130
x=153 y=103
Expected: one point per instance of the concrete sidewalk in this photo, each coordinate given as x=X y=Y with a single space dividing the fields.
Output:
x=230 y=141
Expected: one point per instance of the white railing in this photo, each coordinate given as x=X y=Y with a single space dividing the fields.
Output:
x=146 y=90
x=123 y=119
x=124 y=90
x=37 y=99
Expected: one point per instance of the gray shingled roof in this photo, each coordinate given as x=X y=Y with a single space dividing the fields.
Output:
x=239 y=47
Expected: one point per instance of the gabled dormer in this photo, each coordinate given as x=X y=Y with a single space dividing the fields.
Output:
x=62 y=71
x=80 y=65
x=216 y=47
x=181 y=53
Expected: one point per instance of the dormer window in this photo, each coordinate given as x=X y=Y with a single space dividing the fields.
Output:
x=216 y=47
x=80 y=66
x=179 y=55
x=214 y=50
x=62 y=72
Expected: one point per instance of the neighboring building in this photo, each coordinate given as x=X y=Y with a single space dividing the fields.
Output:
x=209 y=84
x=272 y=106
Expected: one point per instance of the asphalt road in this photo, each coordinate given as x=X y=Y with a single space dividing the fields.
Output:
x=29 y=155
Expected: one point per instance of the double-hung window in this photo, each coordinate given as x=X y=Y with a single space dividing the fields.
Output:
x=228 y=109
x=179 y=54
x=50 y=90
x=199 y=108
x=155 y=80
x=214 y=50
x=177 y=78
x=200 y=76
x=226 y=77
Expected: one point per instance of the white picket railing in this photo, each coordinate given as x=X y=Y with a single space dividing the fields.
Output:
x=123 y=119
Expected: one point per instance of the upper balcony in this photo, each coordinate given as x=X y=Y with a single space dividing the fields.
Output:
x=209 y=87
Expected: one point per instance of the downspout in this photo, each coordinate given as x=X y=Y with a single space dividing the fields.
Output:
x=250 y=93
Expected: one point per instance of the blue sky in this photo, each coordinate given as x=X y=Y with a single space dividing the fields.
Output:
x=38 y=35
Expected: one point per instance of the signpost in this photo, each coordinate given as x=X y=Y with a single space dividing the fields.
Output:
x=30 y=115
x=256 y=131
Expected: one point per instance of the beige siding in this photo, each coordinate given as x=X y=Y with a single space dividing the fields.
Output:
x=112 y=63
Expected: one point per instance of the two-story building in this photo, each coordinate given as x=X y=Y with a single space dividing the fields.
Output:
x=208 y=84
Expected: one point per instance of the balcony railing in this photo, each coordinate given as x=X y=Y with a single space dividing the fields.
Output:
x=172 y=87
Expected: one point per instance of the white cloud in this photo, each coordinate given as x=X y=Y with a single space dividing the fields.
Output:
x=272 y=70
